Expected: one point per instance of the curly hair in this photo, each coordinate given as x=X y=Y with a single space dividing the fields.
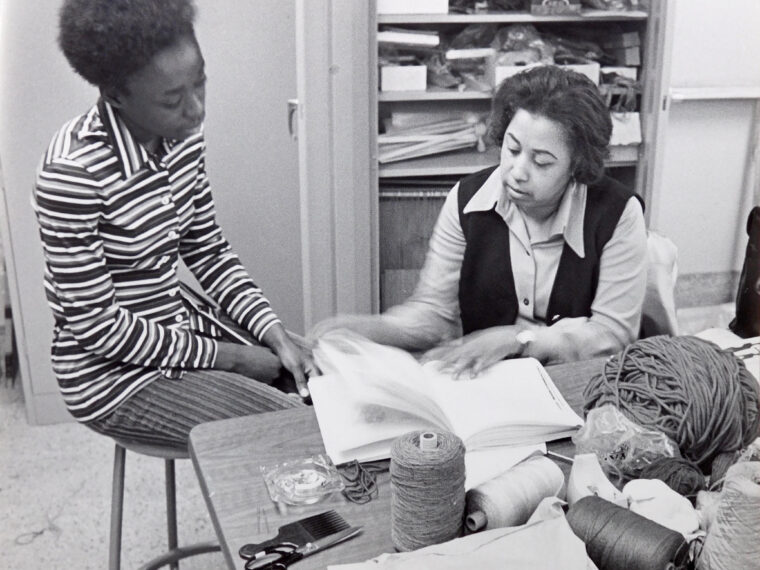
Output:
x=566 y=97
x=106 y=41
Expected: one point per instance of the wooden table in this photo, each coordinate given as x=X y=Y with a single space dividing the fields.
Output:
x=227 y=455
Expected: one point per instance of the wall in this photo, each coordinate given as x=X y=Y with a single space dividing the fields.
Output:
x=705 y=187
x=250 y=53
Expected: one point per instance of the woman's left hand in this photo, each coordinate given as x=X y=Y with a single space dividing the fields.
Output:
x=477 y=351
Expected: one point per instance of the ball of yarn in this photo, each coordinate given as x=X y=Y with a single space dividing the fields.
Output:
x=617 y=538
x=427 y=490
x=509 y=499
x=700 y=396
x=679 y=474
x=733 y=536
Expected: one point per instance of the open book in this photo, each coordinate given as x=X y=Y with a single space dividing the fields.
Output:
x=370 y=394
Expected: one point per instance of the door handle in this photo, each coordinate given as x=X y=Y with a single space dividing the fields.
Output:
x=292 y=112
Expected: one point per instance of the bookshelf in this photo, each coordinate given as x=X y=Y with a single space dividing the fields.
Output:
x=625 y=162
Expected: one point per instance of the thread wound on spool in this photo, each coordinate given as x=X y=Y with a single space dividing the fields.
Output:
x=509 y=499
x=731 y=540
x=427 y=490
x=618 y=538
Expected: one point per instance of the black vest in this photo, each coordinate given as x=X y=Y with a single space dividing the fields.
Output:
x=487 y=295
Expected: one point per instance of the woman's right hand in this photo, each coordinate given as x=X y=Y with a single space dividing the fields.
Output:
x=255 y=362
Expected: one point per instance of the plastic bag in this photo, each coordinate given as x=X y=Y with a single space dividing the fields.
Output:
x=623 y=447
x=302 y=481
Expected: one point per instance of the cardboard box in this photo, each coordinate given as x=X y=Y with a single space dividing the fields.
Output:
x=412 y=6
x=631 y=73
x=626 y=129
x=498 y=73
x=590 y=70
x=553 y=7
x=623 y=40
x=627 y=56
x=403 y=78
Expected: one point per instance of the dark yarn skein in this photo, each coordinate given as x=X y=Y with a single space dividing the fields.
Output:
x=700 y=396
x=681 y=475
x=617 y=538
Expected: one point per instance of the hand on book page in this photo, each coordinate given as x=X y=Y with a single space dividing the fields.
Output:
x=373 y=393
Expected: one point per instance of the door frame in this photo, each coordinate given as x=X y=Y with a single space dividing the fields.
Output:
x=337 y=173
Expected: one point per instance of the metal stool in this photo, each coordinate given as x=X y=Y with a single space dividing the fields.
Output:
x=175 y=553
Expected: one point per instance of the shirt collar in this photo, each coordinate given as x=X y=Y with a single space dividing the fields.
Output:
x=568 y=219
x=103 y=121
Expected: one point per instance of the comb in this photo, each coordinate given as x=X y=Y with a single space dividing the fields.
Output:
x=300 y=532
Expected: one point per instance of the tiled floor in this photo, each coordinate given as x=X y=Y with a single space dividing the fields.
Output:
x=55 y=485
x=55 y=496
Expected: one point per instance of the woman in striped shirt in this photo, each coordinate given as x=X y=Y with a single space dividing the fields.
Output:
x=122 y=197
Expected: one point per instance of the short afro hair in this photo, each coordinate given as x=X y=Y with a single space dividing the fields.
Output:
x=107 y=41
x=566 y=97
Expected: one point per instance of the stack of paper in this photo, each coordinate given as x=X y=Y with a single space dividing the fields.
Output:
x=433 y=137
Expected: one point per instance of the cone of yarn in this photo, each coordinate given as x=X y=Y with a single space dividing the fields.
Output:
x=509 y=499
x=733 y=536
x=427 y=489
x=617 y=538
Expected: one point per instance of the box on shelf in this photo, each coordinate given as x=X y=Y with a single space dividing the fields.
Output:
x=552 y=7
x=627 y=56
x=631 y=73
x=498 y=73
x=626 y=129
x=590 y=70
x=622 y=40
x=403 y=78
x=412 y=6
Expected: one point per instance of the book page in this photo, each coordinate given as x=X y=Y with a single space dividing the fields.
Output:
x=513 y=402
x=379 y=375
x=354 y=429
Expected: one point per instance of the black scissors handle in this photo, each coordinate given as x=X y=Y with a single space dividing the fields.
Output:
x=275 y=557
x=281 y=563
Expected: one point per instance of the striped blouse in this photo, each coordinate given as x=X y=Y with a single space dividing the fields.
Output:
x=114 y=222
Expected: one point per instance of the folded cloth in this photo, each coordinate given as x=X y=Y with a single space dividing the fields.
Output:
x=515 y=547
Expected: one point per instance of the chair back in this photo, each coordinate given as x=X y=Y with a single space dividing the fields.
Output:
x=658 y=314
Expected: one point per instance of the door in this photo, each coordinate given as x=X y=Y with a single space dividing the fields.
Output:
x=334 y=126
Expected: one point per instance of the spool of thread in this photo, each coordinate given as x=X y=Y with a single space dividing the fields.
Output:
x=428 y=441
x=618 y=538
x=509 y=499
x=427 y=489
x=733 y=538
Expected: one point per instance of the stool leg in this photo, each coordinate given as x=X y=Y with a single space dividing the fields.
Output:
x=171 y=509
x=117 y=508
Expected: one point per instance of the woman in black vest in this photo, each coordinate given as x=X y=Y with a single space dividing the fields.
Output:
x=542 y=255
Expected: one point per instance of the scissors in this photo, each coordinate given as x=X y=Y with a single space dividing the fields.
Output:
x=282 y=555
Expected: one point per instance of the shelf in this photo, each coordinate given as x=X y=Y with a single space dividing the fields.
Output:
x=458 y=162
x=463 y=162
x=679 y=94
x=511 y=17
x=432 y=94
